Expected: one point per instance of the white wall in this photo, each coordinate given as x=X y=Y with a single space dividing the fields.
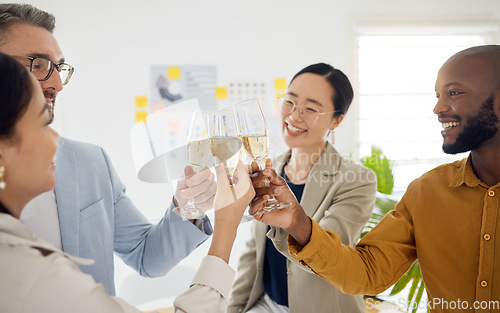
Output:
x=112 y=44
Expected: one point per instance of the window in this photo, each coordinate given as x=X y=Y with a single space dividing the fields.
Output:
x=397 y=69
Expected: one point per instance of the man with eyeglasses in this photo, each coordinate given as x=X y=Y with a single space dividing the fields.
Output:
x=88 y=214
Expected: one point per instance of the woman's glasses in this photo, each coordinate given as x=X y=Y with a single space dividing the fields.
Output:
x=308 y=113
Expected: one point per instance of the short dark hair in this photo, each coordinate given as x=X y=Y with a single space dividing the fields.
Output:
x=12 y=13
x=16 y=90
x=343 y=92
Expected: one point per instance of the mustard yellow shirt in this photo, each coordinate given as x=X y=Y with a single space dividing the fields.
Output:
x=448 y=219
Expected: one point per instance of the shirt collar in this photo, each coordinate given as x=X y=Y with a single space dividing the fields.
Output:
x=465 y=174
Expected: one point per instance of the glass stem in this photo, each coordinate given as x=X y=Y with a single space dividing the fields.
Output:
x=230 y=178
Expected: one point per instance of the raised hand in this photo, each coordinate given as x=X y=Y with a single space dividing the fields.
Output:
x=228 y=211
x=278 y=188
x=201 y=187
x=292 y=219
x=241 y=184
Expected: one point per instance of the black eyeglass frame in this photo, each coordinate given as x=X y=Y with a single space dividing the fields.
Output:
x=52 y=66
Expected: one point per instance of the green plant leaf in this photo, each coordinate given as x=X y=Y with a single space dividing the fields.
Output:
x=400 y=285
x=382 y=167
x=418 y=297
x=414 y=286
x=383 y=204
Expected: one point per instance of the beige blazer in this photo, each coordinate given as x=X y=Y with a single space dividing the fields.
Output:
x=37 y=277
x=339 y=194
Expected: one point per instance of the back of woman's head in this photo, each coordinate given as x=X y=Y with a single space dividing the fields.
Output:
x=343 y=93
x=15 y=94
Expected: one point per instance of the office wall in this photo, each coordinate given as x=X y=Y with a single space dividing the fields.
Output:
x=112 y=44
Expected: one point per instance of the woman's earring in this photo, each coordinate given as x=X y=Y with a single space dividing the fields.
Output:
x=2 y=181
x=332 y=137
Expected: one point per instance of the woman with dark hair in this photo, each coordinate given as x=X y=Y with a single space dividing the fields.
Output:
x=38 y=277
x=334 y=191
x=27 y=143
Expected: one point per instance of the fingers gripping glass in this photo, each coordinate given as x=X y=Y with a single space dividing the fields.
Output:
x=42 y=68
x=252 y=130
x=307 y=112
x=198 y=152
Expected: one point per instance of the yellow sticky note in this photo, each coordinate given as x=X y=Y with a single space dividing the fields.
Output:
x=174 y=72
x=140 y=116
x=141 y=101
x=280 y=84
x=220 y=93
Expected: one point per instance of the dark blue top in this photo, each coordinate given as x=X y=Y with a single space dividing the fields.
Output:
x=275 y=278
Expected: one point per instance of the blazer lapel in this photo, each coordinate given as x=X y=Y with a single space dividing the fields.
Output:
x=67 y=197
x=260 y=241
x=320 y=179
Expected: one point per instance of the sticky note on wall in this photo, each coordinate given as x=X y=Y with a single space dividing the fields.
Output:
x=220 y=92
x=141 y=101
x=174 y=72
x=280 y=83
x=140 y=116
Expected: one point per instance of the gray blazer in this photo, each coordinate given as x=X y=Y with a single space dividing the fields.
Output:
x=339 y=194
x=97 y=218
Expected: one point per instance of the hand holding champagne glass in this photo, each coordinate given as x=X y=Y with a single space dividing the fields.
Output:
x=198 y=152
x=252 y=130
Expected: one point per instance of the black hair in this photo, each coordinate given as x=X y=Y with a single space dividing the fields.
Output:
x=15 y=94
x=342 y=88
x=16 y=90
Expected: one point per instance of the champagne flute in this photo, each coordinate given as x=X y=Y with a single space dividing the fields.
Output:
x=224 y=141
x=199 y=154
x=252 y=130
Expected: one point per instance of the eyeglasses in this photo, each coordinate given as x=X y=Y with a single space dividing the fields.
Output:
x=308 y=113
x=42 y=68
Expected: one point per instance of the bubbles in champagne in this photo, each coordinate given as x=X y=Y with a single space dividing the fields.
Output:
x=199 y=153
x=256 y=146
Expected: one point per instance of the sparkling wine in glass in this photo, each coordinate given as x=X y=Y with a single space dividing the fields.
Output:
x=224 y=141
x=199 y=154
x=256 y=146
x=252 y=130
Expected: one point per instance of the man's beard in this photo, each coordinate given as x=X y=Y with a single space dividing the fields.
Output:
x=476 y=131
x=52 y=96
